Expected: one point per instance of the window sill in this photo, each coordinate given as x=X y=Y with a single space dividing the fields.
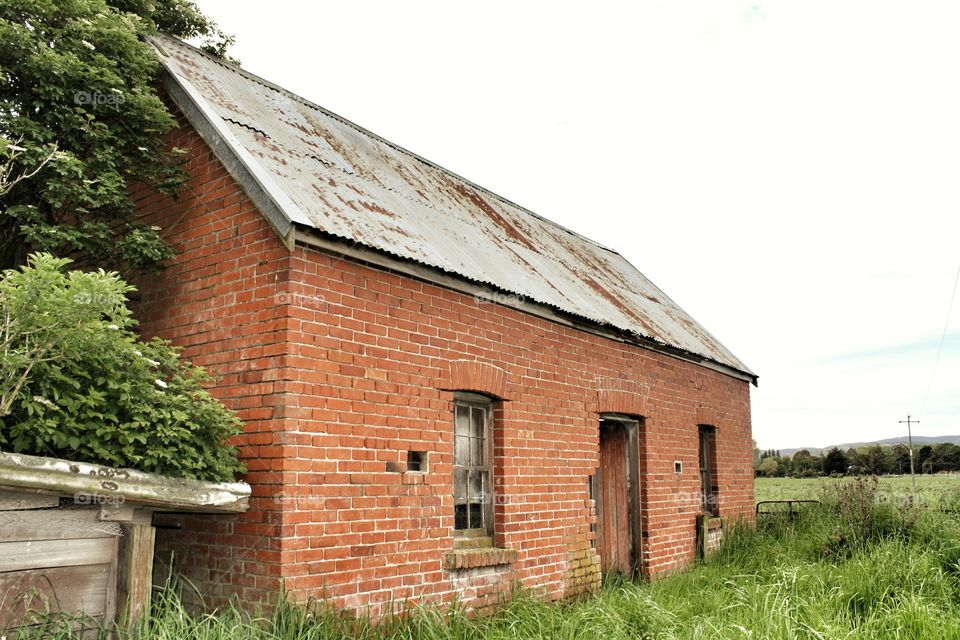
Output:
x=474 y=558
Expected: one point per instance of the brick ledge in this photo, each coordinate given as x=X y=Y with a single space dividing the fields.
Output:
x=474 y=558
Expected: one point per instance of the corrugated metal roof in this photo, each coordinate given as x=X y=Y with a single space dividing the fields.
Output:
x=327 y=173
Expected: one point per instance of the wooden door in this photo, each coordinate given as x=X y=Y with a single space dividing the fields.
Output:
x=612 y=497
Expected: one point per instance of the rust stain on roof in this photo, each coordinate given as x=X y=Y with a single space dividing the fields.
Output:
x=502 y=222
x=618 y=302
x=373 y=206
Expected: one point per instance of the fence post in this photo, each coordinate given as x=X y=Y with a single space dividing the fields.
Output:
x=135 y=570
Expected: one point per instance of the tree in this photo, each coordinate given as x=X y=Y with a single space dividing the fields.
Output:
x=951 y=456
x=900 y=459
x=874 y=460
x=804 y=464
x=945 y=457
x=835 y=462
x=855 y=460
x=923 y=459
x=79 y=108
x=76 y=383
x=769 y=467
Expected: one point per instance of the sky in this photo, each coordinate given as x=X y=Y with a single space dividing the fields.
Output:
x=787 y=172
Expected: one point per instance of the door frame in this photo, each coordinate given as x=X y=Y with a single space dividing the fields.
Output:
x=631 y=425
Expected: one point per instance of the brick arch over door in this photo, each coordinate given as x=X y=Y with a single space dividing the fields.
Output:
x=622 y=396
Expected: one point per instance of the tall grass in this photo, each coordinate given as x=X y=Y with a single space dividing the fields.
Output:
x=855 y=569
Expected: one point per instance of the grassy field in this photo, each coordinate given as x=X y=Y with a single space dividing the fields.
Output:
x=855 y=568
x=931 y=490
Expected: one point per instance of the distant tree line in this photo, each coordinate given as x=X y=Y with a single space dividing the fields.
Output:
x=872 y=460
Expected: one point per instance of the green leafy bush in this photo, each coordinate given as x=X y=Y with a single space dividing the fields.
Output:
x=77 y=383
x=79 y=104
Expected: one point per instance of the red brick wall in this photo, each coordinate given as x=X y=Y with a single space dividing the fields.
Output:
x=341 y=368
x=221 y=301
x=376 y=374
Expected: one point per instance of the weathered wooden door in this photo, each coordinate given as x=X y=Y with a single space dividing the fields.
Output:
x=612 y=498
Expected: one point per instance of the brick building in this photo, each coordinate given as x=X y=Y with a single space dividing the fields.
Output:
x=444 y=393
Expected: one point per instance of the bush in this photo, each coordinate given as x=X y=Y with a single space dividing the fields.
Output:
x=77 y=383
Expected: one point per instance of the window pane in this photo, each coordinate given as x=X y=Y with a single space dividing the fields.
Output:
x=476 y=424
x=459 y=486
x=475 y=448
x=476 y=486
x=460 y=517
x=476 y=499
x=461 y=445
x=476 y=515
x=479 y=417
x=462 y=421
x=461 y=450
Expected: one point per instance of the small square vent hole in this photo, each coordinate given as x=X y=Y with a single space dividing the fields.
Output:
x=417 y=461
x=678 y=467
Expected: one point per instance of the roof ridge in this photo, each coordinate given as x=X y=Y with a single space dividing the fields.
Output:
x=313 y=105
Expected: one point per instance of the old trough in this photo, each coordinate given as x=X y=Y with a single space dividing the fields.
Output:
x=76 y=538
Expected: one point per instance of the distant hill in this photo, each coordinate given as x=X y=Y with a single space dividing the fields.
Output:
x=921 y=440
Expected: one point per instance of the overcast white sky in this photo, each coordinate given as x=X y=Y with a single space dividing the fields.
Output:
x=788 y=172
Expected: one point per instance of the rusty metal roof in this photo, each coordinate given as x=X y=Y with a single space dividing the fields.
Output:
x=326 y=173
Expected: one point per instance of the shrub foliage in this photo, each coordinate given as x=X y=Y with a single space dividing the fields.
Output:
x=81 y=120
x=77 y=383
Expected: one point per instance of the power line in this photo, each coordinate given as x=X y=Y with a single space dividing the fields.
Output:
x=943 y=335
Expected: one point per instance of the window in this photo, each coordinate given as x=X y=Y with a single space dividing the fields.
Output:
x=473 y=468
x=708 y=465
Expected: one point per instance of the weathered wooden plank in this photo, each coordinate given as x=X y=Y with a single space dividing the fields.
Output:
x=117 y=486
x=17 y=500
x=135 y=572
x=56 y=524
x=25 y=596
x=41 y=554
x=110 y=610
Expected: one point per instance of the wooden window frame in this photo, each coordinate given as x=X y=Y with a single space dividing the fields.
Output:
x=482 y=536
x=707 y=455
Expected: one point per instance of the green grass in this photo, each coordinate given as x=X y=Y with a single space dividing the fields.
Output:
x=855 y=569
x=931 y=490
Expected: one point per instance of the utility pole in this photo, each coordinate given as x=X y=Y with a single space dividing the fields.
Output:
x=913 y=476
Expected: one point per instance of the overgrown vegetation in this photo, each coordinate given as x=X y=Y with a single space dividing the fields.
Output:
x=857 y=568
x=936 y=491
x=77 y=383
x=81 y=120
